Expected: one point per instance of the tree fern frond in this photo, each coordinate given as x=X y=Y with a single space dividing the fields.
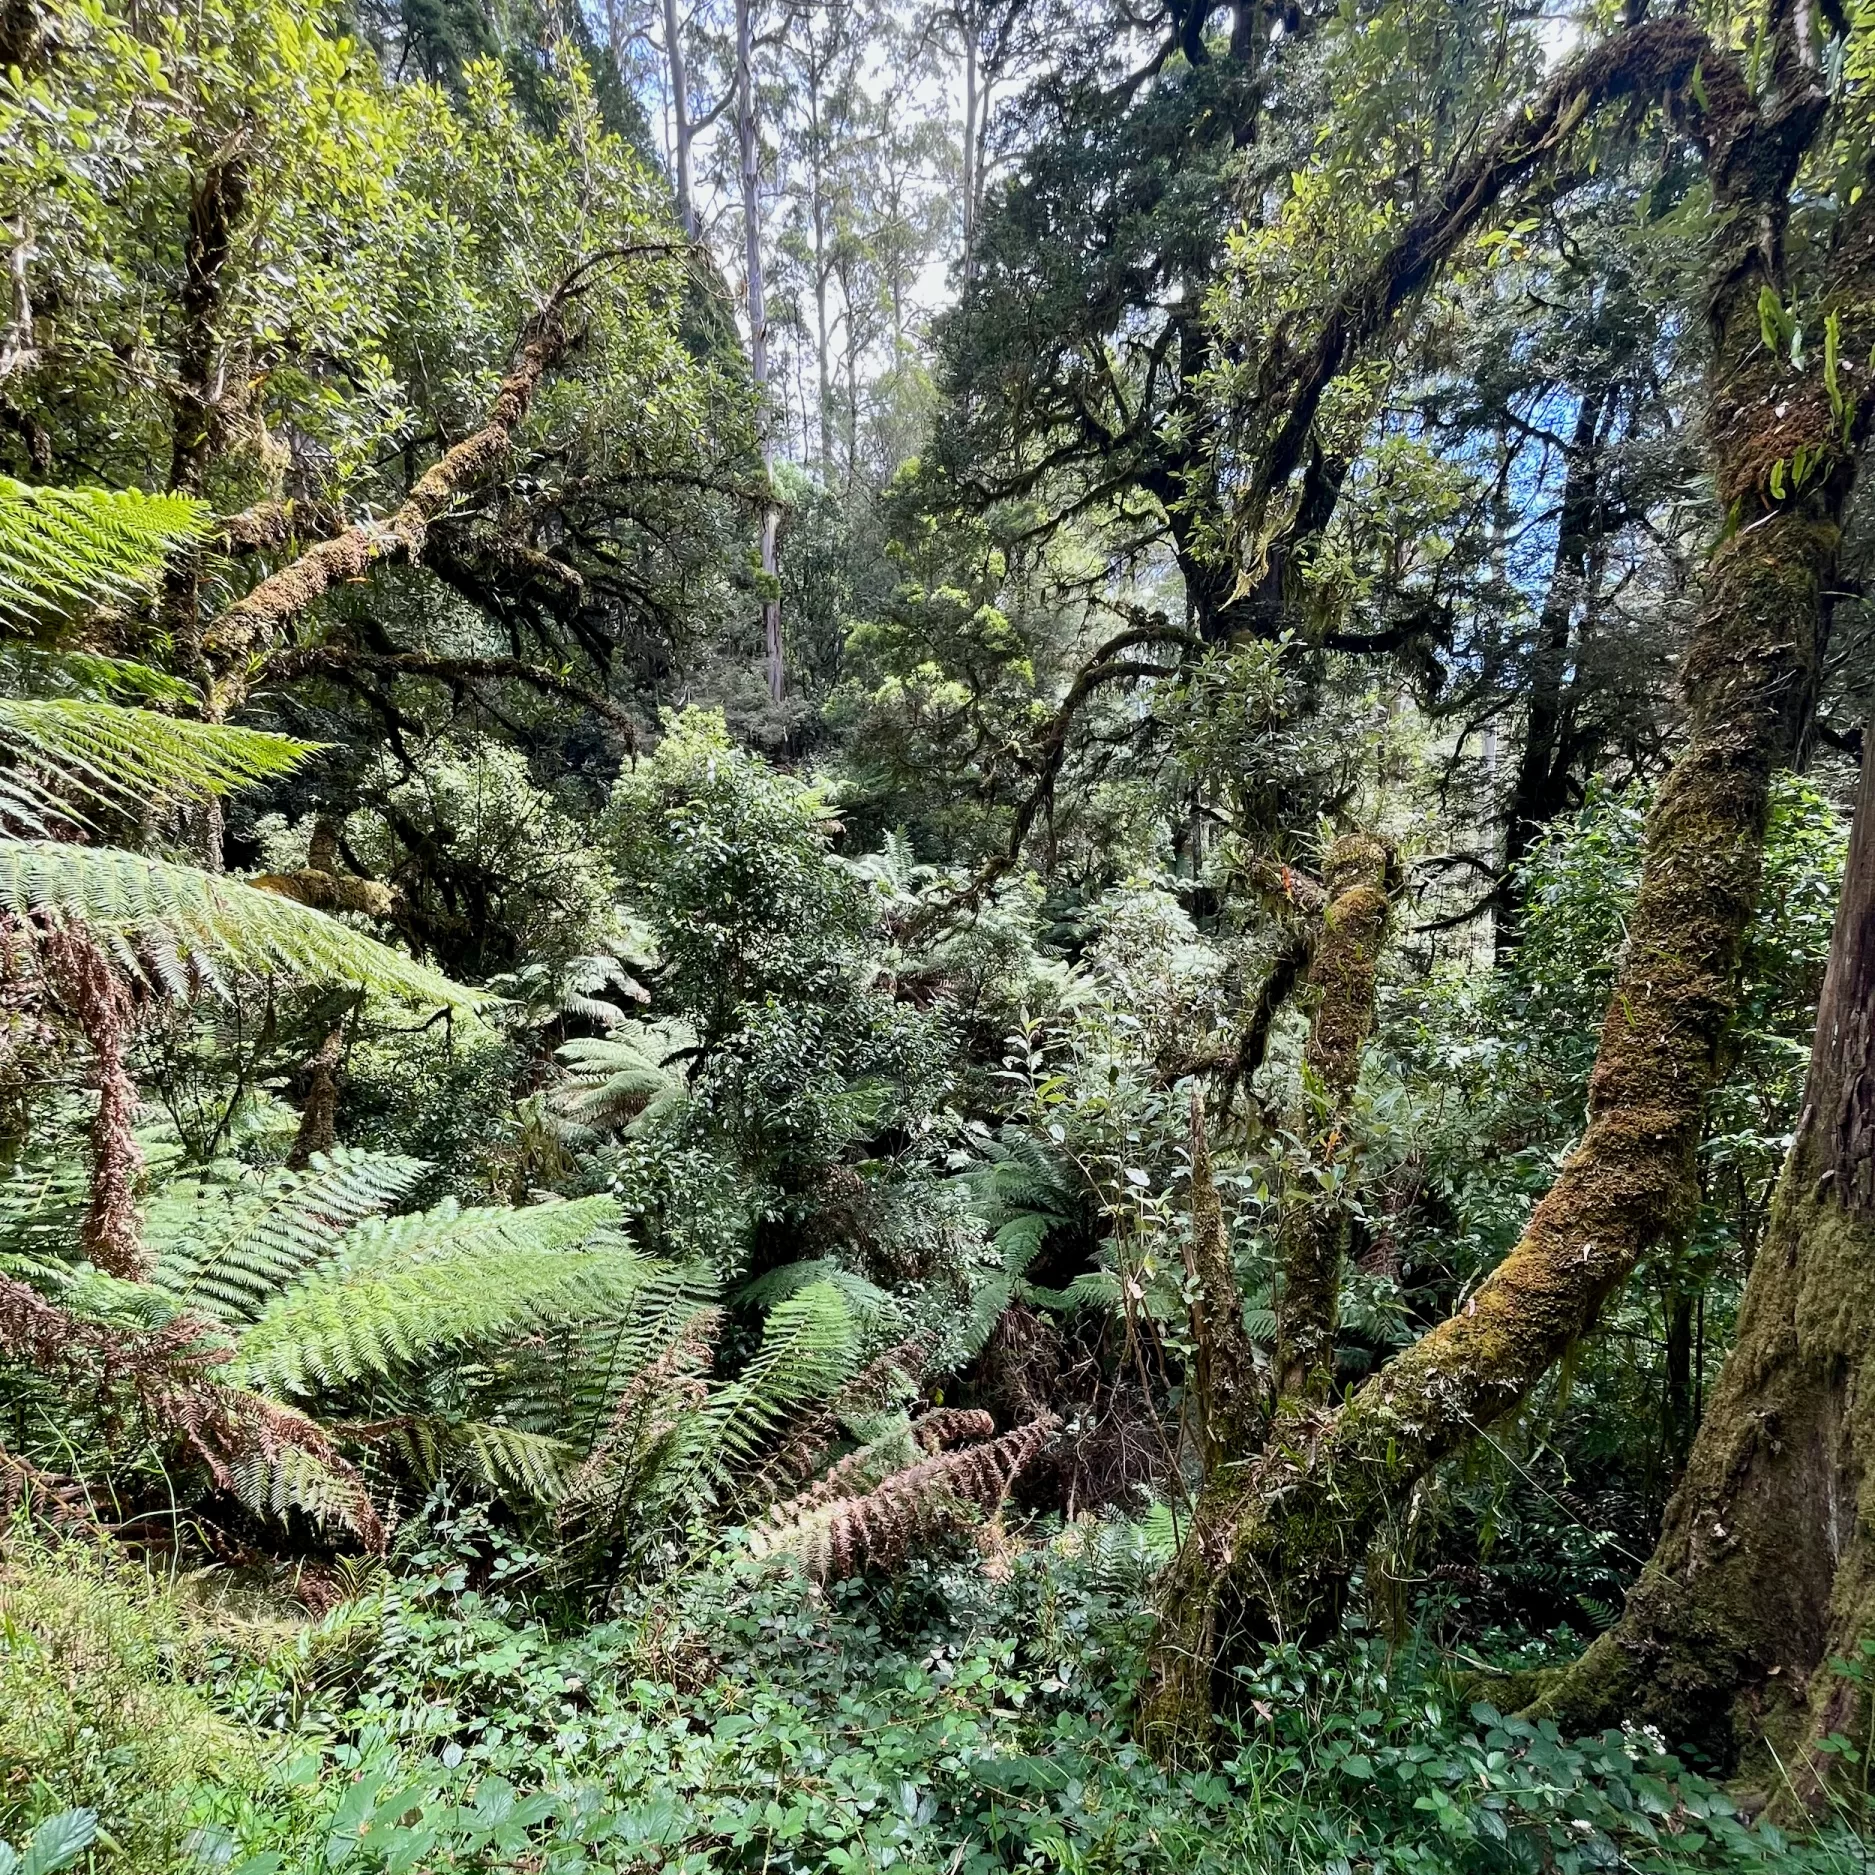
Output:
x=866 y=1301
x=111 y=755
x=524 y=1467
x=408 y=1290
x=63 y=550
x=808 y=1346
x=226 y=1244
x=118 y=895
x=54 y=671
x=880 y=1527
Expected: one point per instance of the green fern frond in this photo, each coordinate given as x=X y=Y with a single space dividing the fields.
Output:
x=528 y=1468
x=291 y=1478
x=808 y=1348
x=51 y=671
x=226 y=1243
x=212 y=920
x=613 y=1080
x=406 y=1290
x=866 y=1301
x=113 y=756
x=63 y=550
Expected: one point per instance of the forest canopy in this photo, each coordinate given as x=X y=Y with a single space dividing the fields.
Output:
x=936 y=939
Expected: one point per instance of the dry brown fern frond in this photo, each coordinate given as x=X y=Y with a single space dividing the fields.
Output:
x=266 y=1454
x=879 y=1530
x=947 y=1426
x=62 y=1504
x=869 y=1391
x=869 y=1466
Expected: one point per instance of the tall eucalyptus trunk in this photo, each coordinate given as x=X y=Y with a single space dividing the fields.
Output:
x=750 y=147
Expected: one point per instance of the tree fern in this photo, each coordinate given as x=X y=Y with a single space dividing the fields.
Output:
x=808 y=1347
x=207 y=919
x=67 y=750
x=226 y=1244
x=407 y=1290
x=64 y=550
x=613 y=1080
x=865 y=1301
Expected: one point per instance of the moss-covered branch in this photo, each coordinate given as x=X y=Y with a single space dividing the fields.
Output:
x=1278 y=1557
x=1356 y=876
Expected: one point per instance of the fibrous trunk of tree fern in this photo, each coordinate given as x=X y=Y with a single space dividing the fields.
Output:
x=1277 y=1559
x=1765 y=1570
x=1314 y=1229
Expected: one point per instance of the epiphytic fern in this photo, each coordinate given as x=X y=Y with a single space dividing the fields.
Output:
x=210 y=920
x=404 y=1291
x=65 y=550
x=228 y=1242
x=880 y=1527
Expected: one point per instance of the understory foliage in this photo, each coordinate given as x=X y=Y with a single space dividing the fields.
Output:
x=886 y=993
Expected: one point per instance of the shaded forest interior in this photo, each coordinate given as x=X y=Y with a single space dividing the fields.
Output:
x=936 y=939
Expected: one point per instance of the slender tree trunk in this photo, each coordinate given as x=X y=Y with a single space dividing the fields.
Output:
x=318 y=1120
x=217 y=205
x=1230 y=1404
x=746 y=131
x=1536 y=796
x=969 y=17
x=1358 y=872
x=1306 y=1512
x=1765 y=1569
x=681 y=132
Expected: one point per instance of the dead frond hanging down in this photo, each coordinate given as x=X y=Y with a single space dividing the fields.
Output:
x=267 y=1455
x=98 y=998
x=880 y=1529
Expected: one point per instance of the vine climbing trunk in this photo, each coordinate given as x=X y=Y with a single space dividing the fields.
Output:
x=1278 y=1559
x=1765 y=1569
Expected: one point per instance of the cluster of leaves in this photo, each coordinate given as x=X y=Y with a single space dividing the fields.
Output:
x=950 y=1722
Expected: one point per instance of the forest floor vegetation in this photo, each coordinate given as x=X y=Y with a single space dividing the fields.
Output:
x=970 y=1714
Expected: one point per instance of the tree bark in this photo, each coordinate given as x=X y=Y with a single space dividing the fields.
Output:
x=1765 y=1569
x=746 y=135
x=680 y=115
x=1304 y=1514
x=318 y=1120
x=1313 y=1233
x=1230 y=1405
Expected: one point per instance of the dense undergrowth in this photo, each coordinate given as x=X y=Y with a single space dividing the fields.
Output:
x=969 y=1715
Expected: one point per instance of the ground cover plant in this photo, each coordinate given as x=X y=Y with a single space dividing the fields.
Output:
x=936 y=942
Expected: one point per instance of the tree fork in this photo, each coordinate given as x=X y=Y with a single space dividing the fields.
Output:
x=1277 y=1556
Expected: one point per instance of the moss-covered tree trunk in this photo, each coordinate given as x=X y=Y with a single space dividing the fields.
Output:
x=1314 y=1231
x=1359 y=874
x=1765 y=1569
x=1307 y=1509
